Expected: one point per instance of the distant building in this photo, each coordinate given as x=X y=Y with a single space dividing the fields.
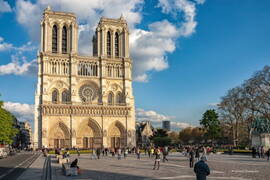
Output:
x=166 y=125
x=26 y=138
x=144 y=130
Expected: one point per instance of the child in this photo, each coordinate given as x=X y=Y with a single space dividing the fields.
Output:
x=157 y=158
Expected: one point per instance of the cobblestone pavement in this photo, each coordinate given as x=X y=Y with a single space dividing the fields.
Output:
x=225 y=167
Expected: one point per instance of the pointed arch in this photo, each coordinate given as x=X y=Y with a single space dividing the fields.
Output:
x=117 y=135
x=89 y=134
x=64 y=40
x=116 y=44
x=110 y=98
x=54 y=39
x=109 y=53
x=118 y=99
x=65 y=96
x=55 y=96
x=59 y=136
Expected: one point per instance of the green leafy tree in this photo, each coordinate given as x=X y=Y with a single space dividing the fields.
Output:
x=161 y=138
x=7 y=129
x=211 y=124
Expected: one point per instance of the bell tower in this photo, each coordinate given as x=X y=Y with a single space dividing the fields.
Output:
x=59 y=32
x=111 y=38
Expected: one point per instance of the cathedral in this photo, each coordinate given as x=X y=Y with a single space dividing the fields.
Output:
x=83 y=101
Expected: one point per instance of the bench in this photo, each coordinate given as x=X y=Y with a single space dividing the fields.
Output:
x=68 y=171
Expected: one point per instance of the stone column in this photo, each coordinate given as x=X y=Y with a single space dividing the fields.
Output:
x=59 y=38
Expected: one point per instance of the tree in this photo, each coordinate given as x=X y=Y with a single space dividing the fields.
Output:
x=242 y=105
x=174 y=137
x=7 y=129
x=161 y=138
x=191 y=135
x=211 y=124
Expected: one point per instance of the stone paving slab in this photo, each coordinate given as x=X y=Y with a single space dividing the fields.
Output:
x=223 y=167
x=34 y=171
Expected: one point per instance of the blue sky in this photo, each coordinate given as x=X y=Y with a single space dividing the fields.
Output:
x=210 y=47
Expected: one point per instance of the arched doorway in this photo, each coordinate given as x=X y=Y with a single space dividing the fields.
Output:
x=89 y=135
x=117 y=137
x=59 y=136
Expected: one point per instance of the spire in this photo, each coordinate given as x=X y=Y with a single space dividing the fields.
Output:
x=48 y=8
x=121 y=17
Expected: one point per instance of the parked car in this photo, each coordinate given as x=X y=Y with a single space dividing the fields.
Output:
x=3 y=153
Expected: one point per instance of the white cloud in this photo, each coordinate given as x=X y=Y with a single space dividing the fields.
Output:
x=156 y=119
x=180 y=125
x=185 y=7
x=4 y=46
x=19 y=66
x=142 y=115
x=22 y=112
x=149 y=47
x=4 y=7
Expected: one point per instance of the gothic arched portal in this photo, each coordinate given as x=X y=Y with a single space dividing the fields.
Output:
x=89 y=135
x=59 y=136
x=117 y=135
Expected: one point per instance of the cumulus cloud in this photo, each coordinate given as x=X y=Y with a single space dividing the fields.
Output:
x=5 y=46
x=142 y=115
x=149 y=47
x=19 y=66
x=180 y=125
x=21 y=111
x=157 y=118
x=4 y=7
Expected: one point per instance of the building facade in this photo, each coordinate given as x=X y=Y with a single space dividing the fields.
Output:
x=166 y=125
x=83 y=101
x=144 y=130
x=25 y=132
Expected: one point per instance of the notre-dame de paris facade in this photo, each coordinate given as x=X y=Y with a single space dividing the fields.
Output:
x=83 y=101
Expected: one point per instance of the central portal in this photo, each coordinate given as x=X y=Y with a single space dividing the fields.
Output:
x=89 y=135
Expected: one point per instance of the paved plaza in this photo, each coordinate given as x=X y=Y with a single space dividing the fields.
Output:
x=225 y=167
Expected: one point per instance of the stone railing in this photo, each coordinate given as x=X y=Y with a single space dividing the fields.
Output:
x=82 y=110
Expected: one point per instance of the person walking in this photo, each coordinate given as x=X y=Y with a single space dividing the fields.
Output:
x=165 y=153
x=201 y=169
x=268 y=154
x=253 y=152
x=262 y=152
x=78 y=152
x=157 y=158
x=259 y=151
x=191 y=158
x=197 y=154
x=119 y=153
x=149 y=152
x=138 y=152
x=152 y=151
x=125 y=152
x=98 y=153
x=93 y=155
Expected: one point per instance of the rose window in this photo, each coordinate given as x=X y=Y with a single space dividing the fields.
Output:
x=87 y=93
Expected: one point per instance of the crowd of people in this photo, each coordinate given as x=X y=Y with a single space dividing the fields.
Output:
x=261 y=152
x=158 y=154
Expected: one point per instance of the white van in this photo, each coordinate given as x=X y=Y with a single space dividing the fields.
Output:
x=3 y=153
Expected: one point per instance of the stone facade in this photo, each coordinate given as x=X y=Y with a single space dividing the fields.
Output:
x=144 y=130
x=83 y=101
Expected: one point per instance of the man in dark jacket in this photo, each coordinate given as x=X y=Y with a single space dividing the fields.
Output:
x=201 y=169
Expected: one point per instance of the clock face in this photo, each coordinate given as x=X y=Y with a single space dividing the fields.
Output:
x=87 y=93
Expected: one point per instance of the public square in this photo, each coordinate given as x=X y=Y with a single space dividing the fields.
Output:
x=225 y=167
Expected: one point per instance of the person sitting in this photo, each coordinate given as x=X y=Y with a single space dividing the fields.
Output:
x=74 y=164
